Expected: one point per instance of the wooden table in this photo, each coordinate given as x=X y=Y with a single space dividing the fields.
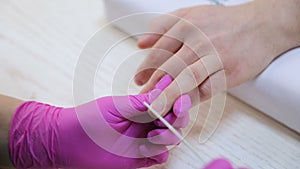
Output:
x=40 y=46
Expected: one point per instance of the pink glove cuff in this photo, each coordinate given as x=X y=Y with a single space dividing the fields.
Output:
x=32 y=137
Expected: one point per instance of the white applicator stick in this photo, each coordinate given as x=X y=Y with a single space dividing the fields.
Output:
x=173 y=130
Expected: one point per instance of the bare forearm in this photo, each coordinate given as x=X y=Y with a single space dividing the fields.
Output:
x=7 y=108
x=282 y=16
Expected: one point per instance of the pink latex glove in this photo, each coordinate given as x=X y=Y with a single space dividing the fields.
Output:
x=110 y=132
x=220 y=163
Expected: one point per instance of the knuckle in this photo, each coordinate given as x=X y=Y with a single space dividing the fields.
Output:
x=154 y=57
x=186 y=80
x=190 y=55
x=195 y=73
x=205 y=90
x=185 y=28
x=156 y=76
x=171 y=94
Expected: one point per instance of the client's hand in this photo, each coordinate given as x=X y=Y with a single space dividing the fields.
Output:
x=110 y=132
x=209 y=49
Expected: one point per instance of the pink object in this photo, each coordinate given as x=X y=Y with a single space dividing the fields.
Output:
x=220 y=163
x=110 y=132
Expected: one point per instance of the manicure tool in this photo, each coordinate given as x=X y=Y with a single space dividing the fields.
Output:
x=174 y=131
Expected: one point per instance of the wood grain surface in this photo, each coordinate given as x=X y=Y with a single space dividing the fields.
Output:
x=43 y=58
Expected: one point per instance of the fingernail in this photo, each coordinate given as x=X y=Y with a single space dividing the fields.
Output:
x=152 y=133
x=182 y=105
x=154 y=94
x=158 y=106
x=164 y=82
x=138 y=81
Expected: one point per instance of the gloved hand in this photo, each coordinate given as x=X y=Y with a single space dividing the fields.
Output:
x=110 y=132
x=220 y=163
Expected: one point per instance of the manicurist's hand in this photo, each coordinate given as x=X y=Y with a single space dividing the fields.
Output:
x=197 y=45
x=111 y=132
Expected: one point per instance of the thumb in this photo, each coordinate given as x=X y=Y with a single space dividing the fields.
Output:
x=132 y=106
x=159 y=87
x=164 y=82
x=137 y=101
x=129 y=106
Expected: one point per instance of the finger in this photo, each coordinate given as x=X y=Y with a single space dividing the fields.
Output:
x=159 y=26
x=182 y=31
x=133 y=106
x=128 y=107
x=177 y=122
x=195 y=97
x=182 y=106
x=170 y=118
x=163 y=137
x=173 y=66
x=159 y=87
x=164 y=82
x=186 y=81
x=179 y=118
x=216 y=83
x=171 y=41
x=158 y=73
x=161 y=51
x=156 y=154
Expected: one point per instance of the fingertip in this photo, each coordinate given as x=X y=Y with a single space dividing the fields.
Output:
x=154 y=94
x=142 y=44
x=159 y=101
x=160 y=106
x=151 y=115
x=177 y=122
x=153 y=133
x=182 y=105
x=139 y=80
x=170 y=117
x=143 y=74
x=158 y=123
x=182 y=122
x=163 y=137
x=164 y=82
x=147 y=41
x=146 y=89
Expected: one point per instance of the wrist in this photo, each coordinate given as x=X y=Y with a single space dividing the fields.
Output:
x=33 y=135
x=7 y=106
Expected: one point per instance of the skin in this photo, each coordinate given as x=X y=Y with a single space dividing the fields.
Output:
x=7 y=107
x=239 y=41
x=246 y=37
